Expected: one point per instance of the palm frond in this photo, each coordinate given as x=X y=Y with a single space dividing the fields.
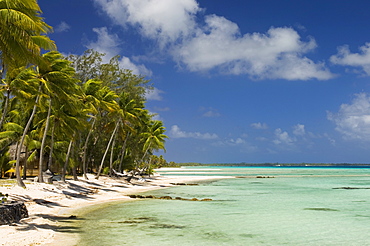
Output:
x=32 y=156
x=11 y=126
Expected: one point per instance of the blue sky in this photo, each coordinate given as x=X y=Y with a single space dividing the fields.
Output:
x=239 y=81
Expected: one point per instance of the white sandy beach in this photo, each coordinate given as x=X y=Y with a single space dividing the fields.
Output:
x=48 y=203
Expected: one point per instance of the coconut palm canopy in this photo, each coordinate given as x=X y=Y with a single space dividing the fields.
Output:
x=22 y=33
x=56 y=114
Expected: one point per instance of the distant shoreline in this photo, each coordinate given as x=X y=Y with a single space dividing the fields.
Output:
x=347 y=165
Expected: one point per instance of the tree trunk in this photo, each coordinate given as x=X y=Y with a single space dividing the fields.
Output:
x=137 y=165
x=123 y=152
x=17 y=149
x=5 y=111
x=91 y=158
x=106 y=151
x=67 y=161
x=85 y=149
x=146 y=152
x=111 y=156
x=43 y=142
x=25 y=130
x=25 y=165
x=50 y=162
x=149 y=163
x=74 y=171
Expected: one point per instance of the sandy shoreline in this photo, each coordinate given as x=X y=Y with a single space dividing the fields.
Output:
x=49 y=203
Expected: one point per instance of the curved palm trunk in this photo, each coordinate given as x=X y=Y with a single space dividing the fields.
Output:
x=137 y=164
x=40 y=176
x=50 y=162
x=67 y=161
x=145 y=153
x=25 y=165
x=106 y=150
x=5 y=110
x=111 y=156
x=149 y=164
x=85 y=149
x=123 y=152
x=25 y=130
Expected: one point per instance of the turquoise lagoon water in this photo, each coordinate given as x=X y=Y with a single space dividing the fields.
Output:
x=299 y=206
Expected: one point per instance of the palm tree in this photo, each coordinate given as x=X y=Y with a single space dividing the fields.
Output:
x=16 y=85
x=131 y=111
x=68 y=119
x=99 y=99
x=154 y=137
x=59 y=86
x=25 y=130
x=10 y=135
x=90 y=98
x=19 y=86
x=107 y=149
x=71 y=142
x=127 y=114
x=22 y=33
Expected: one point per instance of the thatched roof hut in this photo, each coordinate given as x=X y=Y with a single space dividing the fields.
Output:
x=13 y=152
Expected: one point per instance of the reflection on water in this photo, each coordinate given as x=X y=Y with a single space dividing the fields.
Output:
x=299 y=206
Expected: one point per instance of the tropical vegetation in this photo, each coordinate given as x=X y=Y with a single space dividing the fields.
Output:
x=70 y=115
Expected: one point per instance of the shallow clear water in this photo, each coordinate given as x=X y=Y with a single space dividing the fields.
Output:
x=300 y=206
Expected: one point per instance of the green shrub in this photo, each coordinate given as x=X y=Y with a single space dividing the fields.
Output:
x=106 y=170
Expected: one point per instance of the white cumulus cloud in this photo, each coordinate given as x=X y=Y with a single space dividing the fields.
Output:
x=346 y=58
x=282 y=137
x=232 y=142
x=162 y=20
x=108 y=44
x=259 y=125
x=176 y=132
x=138 y=69
x=353 y=120
x=277 y=54
x=299 y=130
x=217 y=43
